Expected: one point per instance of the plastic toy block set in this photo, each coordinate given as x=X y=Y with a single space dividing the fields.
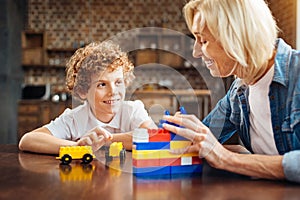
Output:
x=151 y=156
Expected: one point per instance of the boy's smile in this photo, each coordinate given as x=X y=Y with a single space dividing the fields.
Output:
x=106 y=94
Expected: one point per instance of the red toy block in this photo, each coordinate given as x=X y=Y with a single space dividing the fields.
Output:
x=145 y=162
x=196 y=160
x=170 y=161
x=159 y=135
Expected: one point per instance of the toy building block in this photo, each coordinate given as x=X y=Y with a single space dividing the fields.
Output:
x=182 y=110
x=151 y=145
x=140 y=135
x=159 y=135
x=115 y=150
x=68 y=153
x=179 y=144
x=152 y=157
x=186 y=170
x=152 y=171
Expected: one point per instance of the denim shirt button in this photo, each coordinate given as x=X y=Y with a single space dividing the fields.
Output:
x=276 y=128
x=272 y=97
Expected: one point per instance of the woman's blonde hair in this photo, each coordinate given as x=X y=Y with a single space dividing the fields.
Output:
x=245 y=28
x=92 y=60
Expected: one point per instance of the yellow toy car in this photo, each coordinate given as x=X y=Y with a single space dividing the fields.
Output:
x=68 y=153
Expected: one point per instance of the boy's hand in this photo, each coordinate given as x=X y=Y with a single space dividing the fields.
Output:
x=96 y=138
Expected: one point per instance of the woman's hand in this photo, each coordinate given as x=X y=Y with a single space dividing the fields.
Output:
x=203 y=141
x=96 y=138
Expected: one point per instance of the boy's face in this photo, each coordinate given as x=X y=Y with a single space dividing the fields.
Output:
x=106 y=94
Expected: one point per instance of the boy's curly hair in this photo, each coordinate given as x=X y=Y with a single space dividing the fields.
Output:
x=94 y=59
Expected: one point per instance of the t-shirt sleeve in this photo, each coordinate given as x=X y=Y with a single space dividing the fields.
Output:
x=139 y=115
x=59 y=127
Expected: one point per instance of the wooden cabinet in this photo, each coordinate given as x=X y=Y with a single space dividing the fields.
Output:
x=196 y=102
x=35 y=113
x=33 y=44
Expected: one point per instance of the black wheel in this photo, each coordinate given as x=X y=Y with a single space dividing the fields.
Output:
x=66 y=159
x=87 y=158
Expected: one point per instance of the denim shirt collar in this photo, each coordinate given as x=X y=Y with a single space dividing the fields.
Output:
x=282 y=58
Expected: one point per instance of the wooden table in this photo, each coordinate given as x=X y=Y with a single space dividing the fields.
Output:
x=34 y=176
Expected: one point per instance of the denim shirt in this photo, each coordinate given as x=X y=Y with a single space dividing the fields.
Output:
x=231 y=114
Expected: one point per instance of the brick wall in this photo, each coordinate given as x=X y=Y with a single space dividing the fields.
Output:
x=285 y=13
x=70 y=22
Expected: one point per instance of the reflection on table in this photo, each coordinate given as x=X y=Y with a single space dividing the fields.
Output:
x=34 y=176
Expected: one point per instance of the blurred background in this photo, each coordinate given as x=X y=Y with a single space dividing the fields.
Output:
x=37 y=37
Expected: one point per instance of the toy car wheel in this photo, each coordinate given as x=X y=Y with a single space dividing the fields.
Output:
x=66 y=159
x=87 y=158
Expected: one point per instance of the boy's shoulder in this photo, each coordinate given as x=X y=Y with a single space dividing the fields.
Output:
x=133 y=104
x=82 y=108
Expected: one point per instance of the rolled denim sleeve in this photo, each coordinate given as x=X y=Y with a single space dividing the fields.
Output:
x=291 y=166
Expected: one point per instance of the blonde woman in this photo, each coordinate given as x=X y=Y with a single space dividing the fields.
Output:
x=239 y=37
x=98 y=75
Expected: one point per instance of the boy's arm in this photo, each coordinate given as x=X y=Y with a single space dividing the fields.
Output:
x=41 y=140
x=126 y=138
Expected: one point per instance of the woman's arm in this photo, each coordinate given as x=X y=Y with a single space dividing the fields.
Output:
x=261 y=166
x=208 y=147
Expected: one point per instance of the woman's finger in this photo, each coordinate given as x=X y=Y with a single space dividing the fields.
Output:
x=189 y=122
x=192 y=118
x=184 y=132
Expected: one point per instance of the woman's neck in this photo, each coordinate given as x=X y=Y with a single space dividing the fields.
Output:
x=270 y=63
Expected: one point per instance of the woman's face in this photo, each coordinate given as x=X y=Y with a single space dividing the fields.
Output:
x=211 y=51
x=106 y=94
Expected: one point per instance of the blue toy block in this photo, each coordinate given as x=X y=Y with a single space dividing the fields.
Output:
x=151 y=171
x=182 y=110
x=186 y=169
x=151 y=145
x=162 y=121
x=176 y=137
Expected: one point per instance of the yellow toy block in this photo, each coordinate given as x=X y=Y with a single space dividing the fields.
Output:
x=154 y=154
x=115 y=148
x=145 y=154
x=168 y=154
x=179 y=144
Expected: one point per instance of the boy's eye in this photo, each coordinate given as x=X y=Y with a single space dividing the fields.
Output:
x=203 y=42
x=99 y=85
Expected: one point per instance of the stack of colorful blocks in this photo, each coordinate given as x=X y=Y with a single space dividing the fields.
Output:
x=151 y=156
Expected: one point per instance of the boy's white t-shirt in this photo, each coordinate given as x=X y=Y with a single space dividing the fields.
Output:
x=261 y=131
x=72 y=124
